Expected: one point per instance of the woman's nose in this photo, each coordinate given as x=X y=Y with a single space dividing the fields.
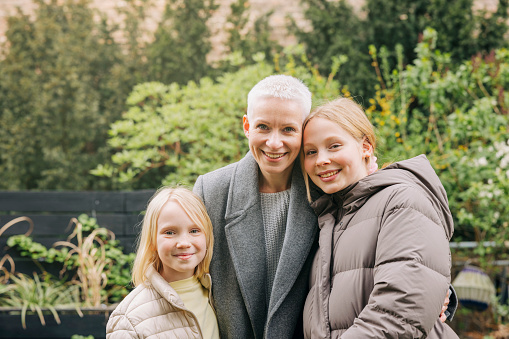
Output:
x=274 y=141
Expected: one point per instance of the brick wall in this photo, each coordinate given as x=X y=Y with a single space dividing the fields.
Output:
x=282 y=8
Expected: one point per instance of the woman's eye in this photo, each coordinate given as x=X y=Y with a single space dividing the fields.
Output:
x=335 y=146
x=310 y=152
x=289 y=129
x=262 y=126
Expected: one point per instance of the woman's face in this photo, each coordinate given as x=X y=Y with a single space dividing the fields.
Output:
x=274 y=131
x=333 y=158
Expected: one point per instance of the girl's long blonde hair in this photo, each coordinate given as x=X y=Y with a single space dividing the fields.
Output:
x=146 y=253
x=349 y=116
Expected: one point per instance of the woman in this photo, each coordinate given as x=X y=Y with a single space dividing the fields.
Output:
x=379 y=271
x=264 y=228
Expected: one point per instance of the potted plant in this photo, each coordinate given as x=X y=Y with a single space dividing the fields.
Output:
x=99 y=277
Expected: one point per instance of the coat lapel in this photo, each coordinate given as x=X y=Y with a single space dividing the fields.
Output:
x=301 y=230
x=246 y=239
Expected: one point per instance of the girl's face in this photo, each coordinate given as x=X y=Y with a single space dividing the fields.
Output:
x=181 y=244
x=333 y=158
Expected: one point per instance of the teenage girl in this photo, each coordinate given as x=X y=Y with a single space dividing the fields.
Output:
x=170 y=272
x=380 y=270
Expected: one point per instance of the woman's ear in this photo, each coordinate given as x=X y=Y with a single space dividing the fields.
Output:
x=245 y=124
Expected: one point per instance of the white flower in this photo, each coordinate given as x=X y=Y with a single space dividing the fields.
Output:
x=482 y=161
x=504 y=161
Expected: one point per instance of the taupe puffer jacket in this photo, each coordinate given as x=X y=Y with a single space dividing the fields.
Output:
x=153 y=310
x=383 y=266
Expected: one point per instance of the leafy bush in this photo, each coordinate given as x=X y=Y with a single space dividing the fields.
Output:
x=458 y=117
x=102 y=270
x=337 y=29
x=34 y=295
x=179 y=51
x=64 y=79
x=58 y=94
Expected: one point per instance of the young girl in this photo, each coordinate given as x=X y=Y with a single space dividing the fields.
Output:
x=380 y=270
x=171 y=298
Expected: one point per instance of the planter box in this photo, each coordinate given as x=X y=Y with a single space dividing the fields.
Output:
x=93 y=323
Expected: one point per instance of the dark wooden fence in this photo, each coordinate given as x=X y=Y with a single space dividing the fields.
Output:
x=52 y=211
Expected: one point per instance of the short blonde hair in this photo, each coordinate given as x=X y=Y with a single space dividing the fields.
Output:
x=146 y=253
x=349 y=116
x=283 y=87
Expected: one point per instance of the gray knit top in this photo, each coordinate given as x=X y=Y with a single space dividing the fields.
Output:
x=274 y=211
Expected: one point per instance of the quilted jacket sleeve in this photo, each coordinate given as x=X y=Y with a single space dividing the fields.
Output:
x=119 y=327
x=411 y=273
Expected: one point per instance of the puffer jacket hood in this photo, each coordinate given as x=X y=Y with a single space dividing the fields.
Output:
x=415 y=171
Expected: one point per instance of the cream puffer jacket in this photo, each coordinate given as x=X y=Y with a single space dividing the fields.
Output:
x=154 y=310
x=383 y=265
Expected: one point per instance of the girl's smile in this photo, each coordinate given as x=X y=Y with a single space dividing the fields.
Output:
x=333 y=158
x=181 y=244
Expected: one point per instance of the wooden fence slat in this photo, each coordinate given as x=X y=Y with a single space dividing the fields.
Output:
x=137 y=201
x=48 y=201
x=57 y=224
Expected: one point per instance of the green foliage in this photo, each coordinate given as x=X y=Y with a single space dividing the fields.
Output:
x=245 y=40
x=34 y=295
x=338 y=30
x=95 y=249
x=457 y=116
x=55 y=81
x=171 y=134
x=181 y=44
x=64 y=80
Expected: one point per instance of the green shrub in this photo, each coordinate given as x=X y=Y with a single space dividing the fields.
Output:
x=102 y=270
x=35 y=295
x=458 y=117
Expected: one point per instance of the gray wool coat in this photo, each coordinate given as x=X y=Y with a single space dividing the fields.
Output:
x=238 y=267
